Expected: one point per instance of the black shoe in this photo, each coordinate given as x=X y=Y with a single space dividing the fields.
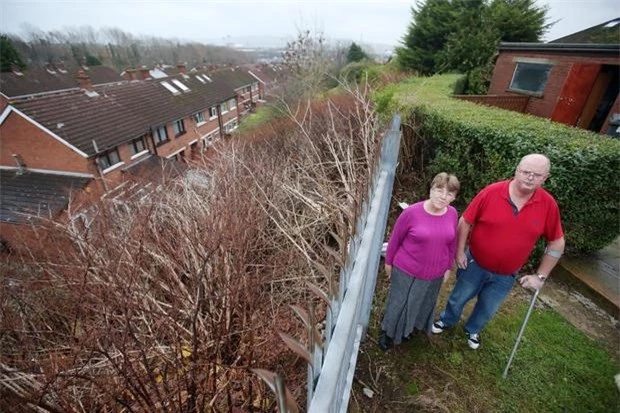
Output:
x=384 y=341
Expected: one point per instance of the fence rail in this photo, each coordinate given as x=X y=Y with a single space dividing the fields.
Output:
x=330 y=382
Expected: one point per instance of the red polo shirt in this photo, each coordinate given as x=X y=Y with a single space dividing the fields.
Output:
x=502 y=239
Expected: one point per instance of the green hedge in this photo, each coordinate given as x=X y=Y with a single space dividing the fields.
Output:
x=482 y=145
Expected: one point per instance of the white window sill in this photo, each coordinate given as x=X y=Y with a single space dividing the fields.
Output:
x=201 y=123
x=139 y=154
x=113 y=167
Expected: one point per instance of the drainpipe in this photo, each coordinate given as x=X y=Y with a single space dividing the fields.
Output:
x=153 y=141
x=105 y=185
x=220 y=122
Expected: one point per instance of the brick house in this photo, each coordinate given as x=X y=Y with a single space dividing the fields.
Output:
x=105 y=133
x=573 y=84
x=568 y=82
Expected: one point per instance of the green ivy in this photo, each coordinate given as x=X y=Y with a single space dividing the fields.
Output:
x=482 y=145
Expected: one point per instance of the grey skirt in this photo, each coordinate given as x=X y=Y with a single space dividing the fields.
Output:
x=410 y=305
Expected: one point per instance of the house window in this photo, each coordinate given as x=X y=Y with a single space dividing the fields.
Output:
x=136 y=146
x=212 y=112
x=232 y=104
x=200 y=117
x=208 y=140
x=109 y=159
x=161 y=135
x=530 y=78
x=231 y=126
x=179 y=127
x=223 y=108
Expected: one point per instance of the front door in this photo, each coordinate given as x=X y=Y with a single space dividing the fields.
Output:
x=575 y=92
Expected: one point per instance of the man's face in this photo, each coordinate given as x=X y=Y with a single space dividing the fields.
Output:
x=530 y=174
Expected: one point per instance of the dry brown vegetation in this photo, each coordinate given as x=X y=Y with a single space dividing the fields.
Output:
x=167 y=304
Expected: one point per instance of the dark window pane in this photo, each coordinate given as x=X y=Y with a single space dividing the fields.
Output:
x=530 y=77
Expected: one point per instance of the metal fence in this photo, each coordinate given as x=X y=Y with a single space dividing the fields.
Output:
x=330 y=377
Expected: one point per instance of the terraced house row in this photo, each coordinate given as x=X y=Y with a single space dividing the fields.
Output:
x=93 y=133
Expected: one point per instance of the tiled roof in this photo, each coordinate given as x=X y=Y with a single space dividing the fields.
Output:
x=42 y=80
x=120 y=112
x=35 y=194
x=604 y=33
x=235 y=78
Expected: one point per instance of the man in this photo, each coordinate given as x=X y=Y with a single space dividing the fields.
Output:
x=503 y=223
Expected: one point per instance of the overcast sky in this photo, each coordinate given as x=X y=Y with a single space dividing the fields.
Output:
x=383 y=22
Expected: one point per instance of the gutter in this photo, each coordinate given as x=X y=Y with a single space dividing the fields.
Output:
x=610 y=49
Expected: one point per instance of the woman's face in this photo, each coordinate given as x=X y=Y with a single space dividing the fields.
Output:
x=441 y=197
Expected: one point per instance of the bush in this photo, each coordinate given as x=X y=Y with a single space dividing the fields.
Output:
x=482 y=145
x=355 y=72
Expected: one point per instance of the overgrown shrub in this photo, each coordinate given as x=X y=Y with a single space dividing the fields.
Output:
x=170 y=303
x=482 y=145
x=356 y=72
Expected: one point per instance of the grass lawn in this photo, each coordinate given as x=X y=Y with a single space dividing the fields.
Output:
x=556 y=368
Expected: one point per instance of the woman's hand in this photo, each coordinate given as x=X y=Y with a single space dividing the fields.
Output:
x=388 y=271
x=461 y=260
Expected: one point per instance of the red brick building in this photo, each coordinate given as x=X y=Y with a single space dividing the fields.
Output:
x=95 y=137
x=575 y=84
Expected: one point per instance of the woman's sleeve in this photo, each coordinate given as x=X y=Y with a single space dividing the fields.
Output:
x=454 y=222
x=399 y=232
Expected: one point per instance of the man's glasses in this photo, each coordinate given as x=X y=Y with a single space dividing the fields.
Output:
x=534 y=175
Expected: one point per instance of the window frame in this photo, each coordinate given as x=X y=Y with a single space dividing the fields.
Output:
x=105 y=162
x=181 y=129
x=199 y=117
x=157 y=137
x=214 y=109
x=134 y=151
x=523 y=68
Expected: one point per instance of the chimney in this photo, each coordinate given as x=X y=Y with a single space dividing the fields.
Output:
x=144 y=73
x=181 y=68
x=50 y=68
x=130 y=74
x=84 y=81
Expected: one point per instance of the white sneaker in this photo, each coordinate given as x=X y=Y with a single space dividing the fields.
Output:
x=473 y=341
x=438 y=327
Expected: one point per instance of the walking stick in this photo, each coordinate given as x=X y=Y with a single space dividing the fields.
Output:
x=514 y=348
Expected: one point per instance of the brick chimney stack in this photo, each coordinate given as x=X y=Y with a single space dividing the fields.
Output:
x=145 y=73
x=181 y=67
x=84 y=80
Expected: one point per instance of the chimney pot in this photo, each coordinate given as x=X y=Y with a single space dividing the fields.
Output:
x=84 y=80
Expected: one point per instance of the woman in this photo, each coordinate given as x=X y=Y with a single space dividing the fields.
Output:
x=420 y=253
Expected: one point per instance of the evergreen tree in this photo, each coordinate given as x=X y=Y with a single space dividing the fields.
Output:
x=355 y=53
x=9 y=55
x=460 y=35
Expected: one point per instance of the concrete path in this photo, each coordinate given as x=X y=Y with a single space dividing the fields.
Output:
x=600 y=272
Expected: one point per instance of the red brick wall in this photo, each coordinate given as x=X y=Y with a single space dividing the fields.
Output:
x=539 y=106
x=193 y=132
x=38 y=149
